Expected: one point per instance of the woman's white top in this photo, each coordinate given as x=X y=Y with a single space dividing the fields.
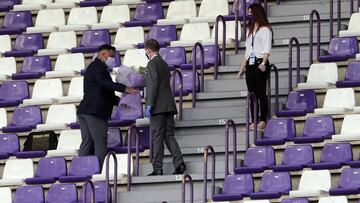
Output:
x=262 y=42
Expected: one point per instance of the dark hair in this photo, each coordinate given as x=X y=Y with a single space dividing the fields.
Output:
x=153 y=45
x=259 y=16
x=106 y=47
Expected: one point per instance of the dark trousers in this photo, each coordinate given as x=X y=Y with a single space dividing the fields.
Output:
x=94 y=136
x=256 y=81
x=162 y=130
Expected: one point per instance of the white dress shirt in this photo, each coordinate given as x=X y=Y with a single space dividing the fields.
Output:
x=262 y=42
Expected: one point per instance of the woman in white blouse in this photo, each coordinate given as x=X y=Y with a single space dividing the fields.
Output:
x=255 y=65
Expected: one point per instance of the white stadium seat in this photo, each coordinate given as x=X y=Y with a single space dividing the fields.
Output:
x=338 y=199
x=179 y=12
x=128 y=37
x=80 y=19
x=192 y=33
x=59 y=43
x=69 y=144
x=45 y=92
x=210 y=9
x=75 y=93
x=257 y=201
x=8 y=67
x=350 y=129
x=67 y=65
x=230 y=33
x=354 y=26
x=64 y=4
x=48 y=21
x=321 y=75
x=112 y=17
x=16 y=171
x=58 y=117
x=136 y=58
x=121 y=2
x=5 y=44
x=313 y=183
x=6 y=195
x=3 y=118
x=337 y=101
x=122 y=160
x=28 y=5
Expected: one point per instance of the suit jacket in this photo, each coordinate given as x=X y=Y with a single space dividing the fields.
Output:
x=99 y=97
x=158 y=91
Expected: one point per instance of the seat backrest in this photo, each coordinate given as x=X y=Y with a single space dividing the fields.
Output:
x=50 y=17
x=238 y=184
x=18 y=169
x=256 y=201
x=6 y=195
x=338 y=199
x=122 y=160
x=100 y=192
x=10 y=3
x=27 y=115
x=315 y=180
x=195 y=31
x=340 y=97
x=62 y=40
x=3 y=117
x=29 y=194
x=350 y=125
x=59 y=193
x=9 y=143
x=52 y=167
x=276 y=182
x=165 y=33
x=336 y=153
x=95 y=38
x=69 y=139
x=41 y=88
x=29 y=42
x=323 y=72
x=280 y=128
x=5 y=43
x=209 y=55
x=84 y=166
x=349 y=178
x=64 y=113
x=37 y=2
x=135 y=57
x=40 y=64
x=83 y=16
x=173 y=55
x=117 y=14
x=319 y=126
x=76 y=86
x=149 y=11
x=62 y=1
x=14 y=90
x=301 y=100
x=18 y=20
x=354 y=21
x=241 y=6
x=181 y=9
x=295 y=200
x=344 y=45
x=8 y=66
x=353 y=71
x=132 y=35
x=213 y=8
x=259 y=156
x=114 y=139
x=297 y=155
x=74 y=62
x=230 y=31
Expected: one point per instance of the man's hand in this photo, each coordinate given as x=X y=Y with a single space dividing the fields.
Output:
x=131 y=90
x=148 y=111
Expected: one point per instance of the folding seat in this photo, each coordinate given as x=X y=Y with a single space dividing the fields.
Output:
x=7 y=5
x=235 y=187
x=349 y=183
x=8 y=67
x=192 y=33
x=5 y=194
x=295 y=158
x=67 y=65
x=115 y=142
x=26 y=45
x=187 y=76
x=321 y=75
x=58 y=117
x=13 y=93
x=91 y=40
x=135 y=57
x=75 y=93
x=256 y=160
x=33 y=67
x=299 y=103
x=80 y=19
x=352 y=76
x=313 y=184
x=68 y=145
x=257 y=201
x=241 y=10
x=210 y=9
x=209 y=57
x=81 y=169
x=174 y=56
x=295 y=200
x=16 y=22
x=59 y=43
x=129 y=38
x=113 y=17
x=16 y=171
x=41 y=94
x=61 y=193
x=24 y=119
x=341 y=49
x=3 y=118
x=29 y=194
x=230 y=34
x=122 y=160
x=178 y=13
x=349 y=130
x=87 y=3
x=100 y=192
x=353 y=28
x=316 y=129
x=48 y=171
x=5 y=44
x=9 y=145
x=164 y=34
x=65 y=4
x=334 y=156
x=337 y=101
x=146 y=14
x=125 y=2
x=273 y=185
x=48 y=21
x=339 y=199
x=277 y=132
x=31 y=5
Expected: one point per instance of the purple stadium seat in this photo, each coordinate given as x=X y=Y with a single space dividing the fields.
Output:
x=299 y=103
x=295 y=200
x=33 y=67
x=9 y=145
x=81 y=169
x=240 y=12
x=87 y=3
x=256 y=160
x=349 y=182
x=277 y=132
x=209 y=57
x=48 y=171
x=24 y=119
x=316 y=129
x=341 y=49
x=333 y=156
x=352 y=76
x=116 y=143
x=273 y=185
x=62 y=193
x=12 y=93
x=174 y=56
x=146 y=14
x=187 y=76
x=235 y=187
x=91 y=40
x=295 y=158
x=100 y=193
x=154 y=1
x=164 y=34
x=29 y=194
x=356 y=163
x=16 y=22
x=6 y=5
x=26 y=45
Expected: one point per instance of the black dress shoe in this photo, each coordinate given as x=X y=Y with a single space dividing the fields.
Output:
x=180 y=169
x=156 y=173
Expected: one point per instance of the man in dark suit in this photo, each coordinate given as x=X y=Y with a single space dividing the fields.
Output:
x=96 y=107
x=161 y=108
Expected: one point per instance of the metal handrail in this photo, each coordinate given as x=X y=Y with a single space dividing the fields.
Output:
x=352 y=6
x=181 y=88
x=311 y=34
x=331 y=12
x=131 y=131
x=183 y=189
x=85 y=186
x=297 y=44
x=276 y=72
x=113 y=155
x=216 y=68
x=198 y=44
x=213 y=165
x=251 y=99
x=230 y=123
